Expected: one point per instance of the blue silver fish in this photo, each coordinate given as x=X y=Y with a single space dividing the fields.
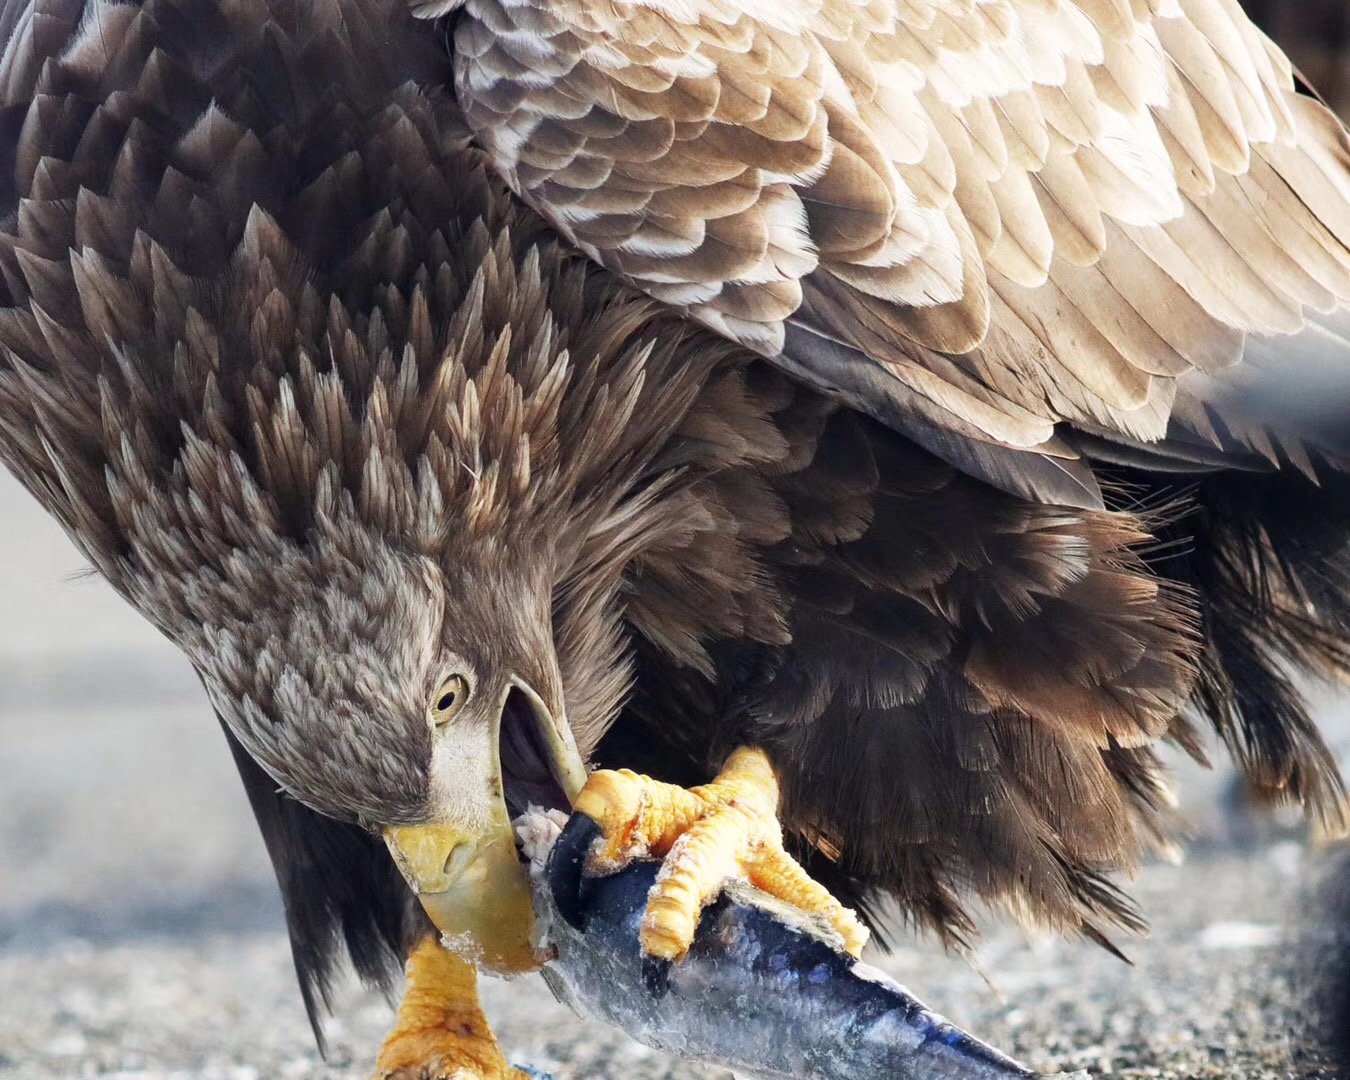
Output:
x=759 y=992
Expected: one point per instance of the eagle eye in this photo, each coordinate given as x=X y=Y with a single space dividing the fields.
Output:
x=450 y=698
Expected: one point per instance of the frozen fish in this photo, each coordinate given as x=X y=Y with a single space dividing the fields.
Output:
x=760 y=992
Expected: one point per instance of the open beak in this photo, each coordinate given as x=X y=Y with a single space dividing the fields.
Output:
x=469 y=878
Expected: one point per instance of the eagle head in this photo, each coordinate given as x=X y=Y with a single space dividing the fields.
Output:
x=416 y=696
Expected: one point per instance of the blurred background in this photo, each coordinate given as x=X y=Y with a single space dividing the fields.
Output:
x=1316 y=35
x=141 y=933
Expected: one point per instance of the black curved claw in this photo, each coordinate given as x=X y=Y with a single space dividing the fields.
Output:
x=656 y=976
x=566 y=869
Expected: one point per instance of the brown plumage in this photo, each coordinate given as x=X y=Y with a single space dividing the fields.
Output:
x=961 y=496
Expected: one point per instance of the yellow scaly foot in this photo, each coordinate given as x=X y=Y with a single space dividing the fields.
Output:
x=707 y=836
x=440 y=1032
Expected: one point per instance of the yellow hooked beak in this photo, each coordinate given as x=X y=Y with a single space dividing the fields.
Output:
x=468 y=877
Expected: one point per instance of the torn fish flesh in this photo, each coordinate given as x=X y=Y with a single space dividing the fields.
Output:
x=760 y=992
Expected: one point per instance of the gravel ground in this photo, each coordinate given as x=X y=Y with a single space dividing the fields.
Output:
x=141 y=937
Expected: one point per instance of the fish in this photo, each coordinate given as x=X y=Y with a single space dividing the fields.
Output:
x=762 y=991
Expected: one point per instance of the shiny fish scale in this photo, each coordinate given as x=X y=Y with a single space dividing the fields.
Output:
x=755 y=994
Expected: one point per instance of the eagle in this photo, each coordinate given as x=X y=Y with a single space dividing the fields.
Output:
x=831 y=443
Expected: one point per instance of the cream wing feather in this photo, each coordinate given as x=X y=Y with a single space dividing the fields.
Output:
x=979 y=220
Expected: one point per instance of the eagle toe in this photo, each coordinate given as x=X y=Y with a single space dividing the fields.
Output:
x=440 y=1032
x=706 y=837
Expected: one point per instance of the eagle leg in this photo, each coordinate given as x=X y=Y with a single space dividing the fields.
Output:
x=440 y=1032
x=723 y=831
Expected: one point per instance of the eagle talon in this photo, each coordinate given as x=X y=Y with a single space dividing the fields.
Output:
x=448 y=1070
x=441 y=1032
x=723 y=831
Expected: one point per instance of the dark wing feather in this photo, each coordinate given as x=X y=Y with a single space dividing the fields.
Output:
x=1269 y=556
x=975 y=684
x=969 y=691
x=341 y=893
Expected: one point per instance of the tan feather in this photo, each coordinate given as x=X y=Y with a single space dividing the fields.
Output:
x=1127 y=171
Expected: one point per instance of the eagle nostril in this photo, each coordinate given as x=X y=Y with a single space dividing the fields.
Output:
x=458 y=861
x=432 y=857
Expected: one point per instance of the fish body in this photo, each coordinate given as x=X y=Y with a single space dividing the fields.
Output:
x=759 y=992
